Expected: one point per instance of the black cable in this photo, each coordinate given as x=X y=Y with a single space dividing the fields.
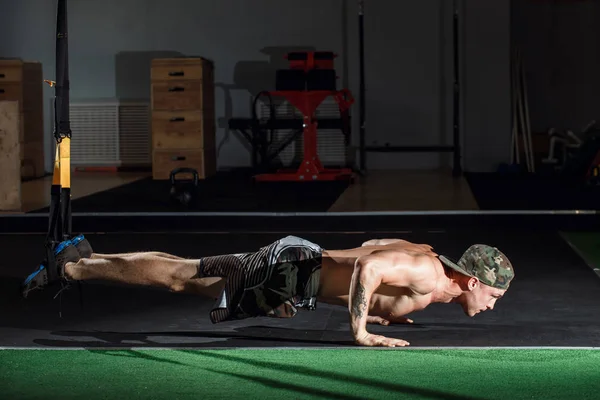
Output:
x=457 y=169
x=256 y=124
x=362 y=106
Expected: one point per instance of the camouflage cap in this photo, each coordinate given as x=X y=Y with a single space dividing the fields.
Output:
x=486 y=263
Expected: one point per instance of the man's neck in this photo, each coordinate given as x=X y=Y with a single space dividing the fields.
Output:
x=447 y=288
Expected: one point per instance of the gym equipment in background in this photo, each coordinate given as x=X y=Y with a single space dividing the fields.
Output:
x=455 y=146
x=184 y=191
x=308 y=81
x=59 y=228
x=579 y=168
x=563 y=144
x=521 y=127
x=60 y=221
x=307 y=71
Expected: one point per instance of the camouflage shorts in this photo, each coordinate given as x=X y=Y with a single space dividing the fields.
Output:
x=274 y=281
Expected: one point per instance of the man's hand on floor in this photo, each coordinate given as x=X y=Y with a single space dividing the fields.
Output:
x=368 y=339
x=383 y=321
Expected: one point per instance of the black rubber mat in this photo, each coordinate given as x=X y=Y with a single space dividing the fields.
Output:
x=225 y=191
x=552 y=302
x=495 y=191
x=282 y=222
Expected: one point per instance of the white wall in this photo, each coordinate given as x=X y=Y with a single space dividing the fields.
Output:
x=403 y=76
x=408 y=61
x=28 y=30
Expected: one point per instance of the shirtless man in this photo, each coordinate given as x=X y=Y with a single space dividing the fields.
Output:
x=380 y=282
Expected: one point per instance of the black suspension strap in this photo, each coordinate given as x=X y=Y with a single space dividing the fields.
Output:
x=60 y=222
x=59 y=228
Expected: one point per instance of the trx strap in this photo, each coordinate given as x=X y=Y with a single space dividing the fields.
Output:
x=59 y=227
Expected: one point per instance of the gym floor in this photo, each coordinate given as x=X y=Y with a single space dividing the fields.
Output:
x=396 y=190
x=379 y=191
x=551 y=302
x=110 y=340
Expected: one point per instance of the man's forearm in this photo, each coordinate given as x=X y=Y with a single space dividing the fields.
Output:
x=363 y=284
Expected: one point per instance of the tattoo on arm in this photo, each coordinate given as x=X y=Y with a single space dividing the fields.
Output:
x=359 y=303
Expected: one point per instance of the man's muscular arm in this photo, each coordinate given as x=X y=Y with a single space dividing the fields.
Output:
x=383 y=242
x=400 y=244
x=387 y=267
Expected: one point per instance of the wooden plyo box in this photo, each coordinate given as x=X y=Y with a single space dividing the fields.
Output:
x=10 y=157
x=22 y=82
x=183 y=122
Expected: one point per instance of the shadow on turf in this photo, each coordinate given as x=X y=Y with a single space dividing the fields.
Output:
x=265 y=381
x=287 y=385
x=299 y=370
x=315 y=373
x=136 y=354
x=262 y=380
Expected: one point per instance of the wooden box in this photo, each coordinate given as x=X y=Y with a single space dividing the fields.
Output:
x=22 y=82
x=183 y=121
x=10 y=160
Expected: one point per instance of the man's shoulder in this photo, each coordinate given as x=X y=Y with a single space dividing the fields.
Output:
x=416 y=269
x=419 y=257
x=425 y=272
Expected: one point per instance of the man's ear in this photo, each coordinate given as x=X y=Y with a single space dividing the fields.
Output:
x=472 y=283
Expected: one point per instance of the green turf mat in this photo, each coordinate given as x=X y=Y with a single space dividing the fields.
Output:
x=301 y=374
x=587 y=244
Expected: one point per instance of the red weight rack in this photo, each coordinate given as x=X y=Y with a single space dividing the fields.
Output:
x=311 y=168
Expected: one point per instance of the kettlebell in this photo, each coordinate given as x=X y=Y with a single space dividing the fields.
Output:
x=183 y=191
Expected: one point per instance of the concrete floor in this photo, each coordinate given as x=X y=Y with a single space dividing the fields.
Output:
x=386 y=190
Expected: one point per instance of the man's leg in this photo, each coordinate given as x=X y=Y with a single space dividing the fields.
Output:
x=146 y=269
x=120 y=255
